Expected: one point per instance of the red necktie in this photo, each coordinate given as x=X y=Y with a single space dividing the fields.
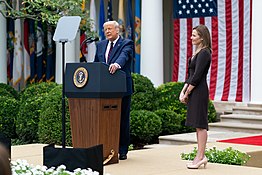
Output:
x=111 y=47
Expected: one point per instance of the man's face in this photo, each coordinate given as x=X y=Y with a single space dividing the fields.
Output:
x=111 y=32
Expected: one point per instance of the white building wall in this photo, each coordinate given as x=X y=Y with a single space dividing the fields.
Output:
x=3 y=47
x=256 y=54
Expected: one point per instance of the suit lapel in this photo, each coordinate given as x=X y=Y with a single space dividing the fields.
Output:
x=104 y=50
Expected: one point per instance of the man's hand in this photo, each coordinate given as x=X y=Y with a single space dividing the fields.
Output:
x=113 y=67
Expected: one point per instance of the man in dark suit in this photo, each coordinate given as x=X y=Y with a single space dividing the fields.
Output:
x=118 y=54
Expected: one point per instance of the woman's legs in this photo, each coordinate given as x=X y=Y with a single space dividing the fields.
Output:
x=201 y=142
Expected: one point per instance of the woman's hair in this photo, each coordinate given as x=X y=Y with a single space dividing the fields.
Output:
x=204 y=33
x=5 y=168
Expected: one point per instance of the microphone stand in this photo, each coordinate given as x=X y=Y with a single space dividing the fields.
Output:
x=86 y=41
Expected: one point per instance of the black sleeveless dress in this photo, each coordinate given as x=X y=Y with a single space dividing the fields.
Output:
x=197 y=106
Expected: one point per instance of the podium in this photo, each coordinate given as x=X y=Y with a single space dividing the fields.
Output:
x=95 y=106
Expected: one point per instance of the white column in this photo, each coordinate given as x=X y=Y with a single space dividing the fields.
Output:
x=256 y=54
x=3 y=47
x=69 y=58
x=152 y=40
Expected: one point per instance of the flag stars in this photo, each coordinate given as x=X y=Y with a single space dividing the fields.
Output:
x=196 y=11
x=199 y=5
x=179 y=2
x=203 y=10
x=195 y=1
x=188 y=11
x=180 y=12
x=191 y=6
x=187 y=1
x=184 y=6
x=207 y=5
x=211 y=10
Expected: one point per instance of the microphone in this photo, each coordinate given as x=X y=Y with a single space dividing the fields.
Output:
x=87 y=41
x=92 y=40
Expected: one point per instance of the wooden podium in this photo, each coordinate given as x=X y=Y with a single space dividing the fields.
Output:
x=95 y=106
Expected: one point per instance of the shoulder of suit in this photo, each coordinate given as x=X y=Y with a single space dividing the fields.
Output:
x=126 y=40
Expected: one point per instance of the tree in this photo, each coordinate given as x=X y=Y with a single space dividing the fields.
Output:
x=49 y=11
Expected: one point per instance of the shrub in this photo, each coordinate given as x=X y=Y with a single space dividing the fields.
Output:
x=28 y=118
x=8 y=89
x=8 y=113
x=169 y=99
x=171 y=121
x=144 y=126
x=50 y=124
x=5 y=93
x=144 y=96
x=37 y=90
x=212 y=114
x=227 y=156
x=31 y=102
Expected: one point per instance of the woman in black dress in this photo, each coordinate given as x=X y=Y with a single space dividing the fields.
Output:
x=195 y=92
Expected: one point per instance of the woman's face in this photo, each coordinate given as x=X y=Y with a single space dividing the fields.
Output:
x=196 y=39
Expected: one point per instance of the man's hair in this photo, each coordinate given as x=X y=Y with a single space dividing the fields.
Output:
x=116 y=24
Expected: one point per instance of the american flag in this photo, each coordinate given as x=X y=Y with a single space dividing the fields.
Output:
x=229 y=23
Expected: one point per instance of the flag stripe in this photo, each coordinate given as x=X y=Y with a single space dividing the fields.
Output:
x=214 y=65
x=183 y=47
x=247 y=50
x=227 y=74
x=176 y=49
x=189 y=42
x=230 y=29
x=26 y=51
x=235 y=53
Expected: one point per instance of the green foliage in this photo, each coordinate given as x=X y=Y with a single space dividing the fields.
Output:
x=46 y=10
x=31 y=102
x=8 y=90
x=171 y=121
x=5 y=93
x=8 y=113
x=28 y=118
x=144 y=126
x=169 y=99
x=144 y=96
x=37 y=89
x=50 y=124
x=212 y=114
x=227 y=156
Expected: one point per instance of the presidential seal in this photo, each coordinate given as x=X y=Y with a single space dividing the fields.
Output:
x=80 y=77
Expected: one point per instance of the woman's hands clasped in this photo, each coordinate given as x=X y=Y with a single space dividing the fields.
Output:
x=183 y=97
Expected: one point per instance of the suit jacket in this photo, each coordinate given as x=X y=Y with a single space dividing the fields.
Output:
x=122 y=53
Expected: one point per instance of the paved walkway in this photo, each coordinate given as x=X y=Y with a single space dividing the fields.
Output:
x=159 y=160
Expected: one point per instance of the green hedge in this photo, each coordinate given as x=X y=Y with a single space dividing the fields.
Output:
x=37 y=89
x=171 y=121
x=8 y=90
x=144 y=126
x=144 y=96
x=31 y=102
x=50 y=124
x=8 y=114
x=169 y=99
